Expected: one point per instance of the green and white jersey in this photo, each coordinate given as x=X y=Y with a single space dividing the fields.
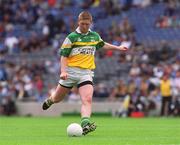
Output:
x=80 y=48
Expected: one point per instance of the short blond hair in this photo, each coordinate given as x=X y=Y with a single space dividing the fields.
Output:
x=85 y=15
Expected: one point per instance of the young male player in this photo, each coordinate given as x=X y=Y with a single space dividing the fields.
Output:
x=77 y=65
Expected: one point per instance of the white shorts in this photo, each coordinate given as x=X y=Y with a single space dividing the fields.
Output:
x=77 y=77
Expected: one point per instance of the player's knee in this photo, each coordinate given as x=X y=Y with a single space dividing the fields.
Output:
x=87 y=100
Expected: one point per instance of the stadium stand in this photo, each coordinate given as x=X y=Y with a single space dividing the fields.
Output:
x=31 y=33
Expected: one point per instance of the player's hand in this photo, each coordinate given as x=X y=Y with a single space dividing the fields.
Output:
x=64 y=75
x=123 y=48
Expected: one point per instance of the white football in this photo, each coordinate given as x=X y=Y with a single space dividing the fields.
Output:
x=74 y=130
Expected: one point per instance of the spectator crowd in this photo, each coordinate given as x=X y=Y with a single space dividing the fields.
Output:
x=31 y=27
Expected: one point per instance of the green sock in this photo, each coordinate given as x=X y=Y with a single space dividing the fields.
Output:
x=84 y=121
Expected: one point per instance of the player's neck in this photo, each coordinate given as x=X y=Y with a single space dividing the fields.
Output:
x=78 y=30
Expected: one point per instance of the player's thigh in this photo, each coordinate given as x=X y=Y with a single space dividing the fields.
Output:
x=86 y=92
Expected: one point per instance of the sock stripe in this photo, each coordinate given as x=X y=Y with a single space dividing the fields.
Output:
x=85 y=121
x=84 y=118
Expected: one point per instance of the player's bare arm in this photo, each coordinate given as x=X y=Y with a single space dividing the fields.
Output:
x=64 y=73
x=111 y=46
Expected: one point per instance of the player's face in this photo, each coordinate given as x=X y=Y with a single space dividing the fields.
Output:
x=84 y=25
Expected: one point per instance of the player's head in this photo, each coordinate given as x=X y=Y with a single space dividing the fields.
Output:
x=84 y=21
x=165 y=76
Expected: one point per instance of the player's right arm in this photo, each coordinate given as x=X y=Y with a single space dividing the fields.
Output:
x=64 y=73
x=65 y=52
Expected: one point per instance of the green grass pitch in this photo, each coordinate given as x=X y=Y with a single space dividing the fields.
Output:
x=110 y=131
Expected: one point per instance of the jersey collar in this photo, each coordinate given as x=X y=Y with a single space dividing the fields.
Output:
x=78 y=31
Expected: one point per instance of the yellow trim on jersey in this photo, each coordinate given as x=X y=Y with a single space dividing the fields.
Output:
x=66 y=46
x=82 y=61
x=79 y=43
x=85 y=43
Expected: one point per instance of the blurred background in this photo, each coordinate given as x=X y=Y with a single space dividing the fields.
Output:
x=145 y=81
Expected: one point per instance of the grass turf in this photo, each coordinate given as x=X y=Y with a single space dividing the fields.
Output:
x=110 y=131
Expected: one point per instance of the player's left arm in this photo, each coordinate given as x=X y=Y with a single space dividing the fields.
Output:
x=111 y=46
